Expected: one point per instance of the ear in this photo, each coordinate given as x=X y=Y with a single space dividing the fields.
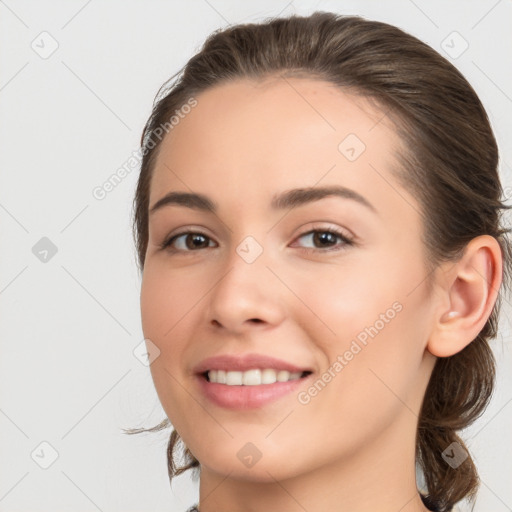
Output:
x=469 y=289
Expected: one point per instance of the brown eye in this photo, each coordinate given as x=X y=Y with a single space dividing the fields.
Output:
x=190 y=240
x=325 y=239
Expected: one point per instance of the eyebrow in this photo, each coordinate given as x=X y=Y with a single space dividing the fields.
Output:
x=288 y=199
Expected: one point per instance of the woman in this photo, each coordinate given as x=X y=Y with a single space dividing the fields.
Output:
x=317 y=222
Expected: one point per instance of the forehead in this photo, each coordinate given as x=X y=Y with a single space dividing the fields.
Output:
x=277 y=110
x=263 y=136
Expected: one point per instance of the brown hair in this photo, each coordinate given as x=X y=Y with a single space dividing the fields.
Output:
x=449 y=162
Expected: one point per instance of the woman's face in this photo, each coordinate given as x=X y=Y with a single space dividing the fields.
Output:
x=333 y=284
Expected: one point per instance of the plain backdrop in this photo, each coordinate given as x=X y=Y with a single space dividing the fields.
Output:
x=77 y=82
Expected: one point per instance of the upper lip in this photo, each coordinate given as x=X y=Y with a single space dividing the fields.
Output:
x=246 y=362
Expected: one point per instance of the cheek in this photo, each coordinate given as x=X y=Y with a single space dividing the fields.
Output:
x=166 y=298
x=373 y=315
x=166 y=314
x=344 y=298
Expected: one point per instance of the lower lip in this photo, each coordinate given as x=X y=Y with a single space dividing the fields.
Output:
x=247 y=397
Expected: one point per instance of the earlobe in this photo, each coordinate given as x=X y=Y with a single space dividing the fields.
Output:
x=470 y=289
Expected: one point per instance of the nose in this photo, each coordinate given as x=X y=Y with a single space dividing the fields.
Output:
x=248 y=295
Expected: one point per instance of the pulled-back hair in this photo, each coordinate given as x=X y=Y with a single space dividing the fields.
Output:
x=449 y=162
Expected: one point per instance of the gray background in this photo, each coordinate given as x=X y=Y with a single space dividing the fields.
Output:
x=69 y=377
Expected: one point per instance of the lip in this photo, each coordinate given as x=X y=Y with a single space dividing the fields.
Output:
x=246 y=362
x=248 y=397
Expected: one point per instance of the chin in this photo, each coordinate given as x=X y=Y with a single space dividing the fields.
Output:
x=263 y=470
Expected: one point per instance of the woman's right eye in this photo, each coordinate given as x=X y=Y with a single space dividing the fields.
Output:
x=190 y=240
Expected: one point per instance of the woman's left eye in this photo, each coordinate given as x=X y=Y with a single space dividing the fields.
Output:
x=193 y=240
x=326 y=236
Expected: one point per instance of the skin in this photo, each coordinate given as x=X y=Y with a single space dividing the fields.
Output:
x=352 y=446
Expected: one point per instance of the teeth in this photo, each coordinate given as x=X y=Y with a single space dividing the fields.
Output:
x=251 y=377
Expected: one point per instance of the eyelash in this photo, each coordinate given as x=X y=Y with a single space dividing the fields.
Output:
x=347 y=241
